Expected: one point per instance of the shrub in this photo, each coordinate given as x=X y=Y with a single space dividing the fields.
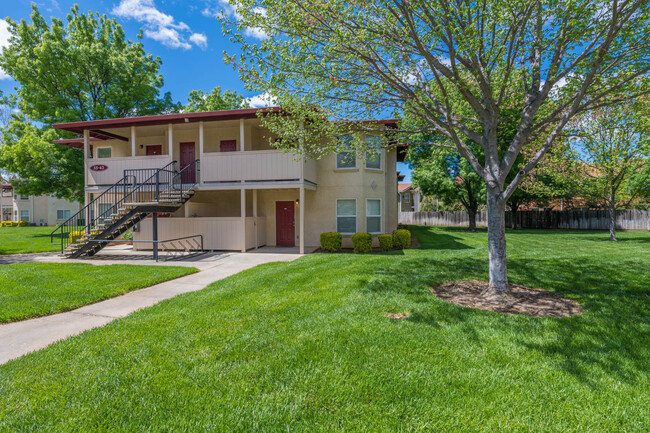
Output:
x=331 y=241
x=8 y=224
x=75 y=235
x=362 y=242
x=385 y=242
x=22 y=224
x=128 y=236
x=402 y=239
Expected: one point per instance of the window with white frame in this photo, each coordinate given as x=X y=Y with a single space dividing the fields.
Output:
x=407 y=198
x=346 y=215
x=24 y=215
x=373 y=215
x=62 y=214
x=373 y=152
x=15 y=215
x=104 y=152
x=346 y=158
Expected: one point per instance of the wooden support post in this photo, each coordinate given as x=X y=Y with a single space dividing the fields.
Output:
x=170 y=134
x=243 y=220
x=301 y=205
x=200 y=178
x=241 y=135
x=133 y=141
x=86 y=162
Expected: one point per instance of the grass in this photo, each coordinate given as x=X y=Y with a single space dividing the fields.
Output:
x=16 y=240
x=306 y=347
x=39 y=289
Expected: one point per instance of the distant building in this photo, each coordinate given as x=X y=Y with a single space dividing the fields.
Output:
x=43 y=210
x=409 y=197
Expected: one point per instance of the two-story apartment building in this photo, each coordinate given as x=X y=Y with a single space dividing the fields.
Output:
x=246 y=194
x=40 y=210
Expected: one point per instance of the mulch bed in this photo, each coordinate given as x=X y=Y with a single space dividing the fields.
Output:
x=521 y=300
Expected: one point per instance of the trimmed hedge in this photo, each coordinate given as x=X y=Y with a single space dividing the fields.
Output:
x=402 y=239
x=14 y=224
x=385 y=242
x=362 y=242
x=331 y=241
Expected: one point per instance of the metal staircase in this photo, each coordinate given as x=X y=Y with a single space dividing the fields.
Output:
x=140 y=193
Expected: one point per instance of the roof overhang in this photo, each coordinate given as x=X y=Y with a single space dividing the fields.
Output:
x=163 y=119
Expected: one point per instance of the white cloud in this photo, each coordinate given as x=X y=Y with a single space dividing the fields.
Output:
x=222 y=7
x=4 y=42
x=158 y=25
x=199 y=39
x=261 y=101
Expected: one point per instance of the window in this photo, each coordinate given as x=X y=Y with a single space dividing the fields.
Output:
x=15 y=215
x=24 y=215
x=373 y=215
x=347 y=157
x=373 y=152
x=24 y=197
x=62 y=214
x=407 y=198
x=346 y=216
x=104 y=152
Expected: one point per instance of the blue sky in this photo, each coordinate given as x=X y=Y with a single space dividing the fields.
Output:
x=185 y=35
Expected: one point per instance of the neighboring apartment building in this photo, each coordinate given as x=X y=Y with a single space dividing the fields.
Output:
x=44 y=210
x=409 y=198
x=247 y=193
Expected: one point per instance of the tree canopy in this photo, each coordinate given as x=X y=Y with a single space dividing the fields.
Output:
x=214 y=101
x=81 y=69
x=455 y=65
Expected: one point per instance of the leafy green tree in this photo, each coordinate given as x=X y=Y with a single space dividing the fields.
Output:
x=214 y=101
x=444 y=173
x=452 y=64
x=79 y=70
x=611 y=144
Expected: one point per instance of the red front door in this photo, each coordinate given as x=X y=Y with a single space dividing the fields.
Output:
x=284 y=224
x=154 y=149
x=228 y=145
x=187 y=157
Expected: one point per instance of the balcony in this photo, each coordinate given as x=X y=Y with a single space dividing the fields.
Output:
x=255 y=166
x=107 y=171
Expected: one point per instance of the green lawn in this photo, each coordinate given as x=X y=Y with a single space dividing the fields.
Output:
x=306 y=347
x=14 y=240
x=39 y=289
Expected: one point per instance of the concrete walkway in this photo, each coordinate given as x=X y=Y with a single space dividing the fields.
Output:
x=20 y=338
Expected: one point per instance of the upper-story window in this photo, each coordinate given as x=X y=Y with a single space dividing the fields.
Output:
x=104 y=152
x=347 y=158
x=407 y=198
x=373 y=152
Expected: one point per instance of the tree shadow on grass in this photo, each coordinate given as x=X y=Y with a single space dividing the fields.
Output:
x=435 y=240
x=611 y=338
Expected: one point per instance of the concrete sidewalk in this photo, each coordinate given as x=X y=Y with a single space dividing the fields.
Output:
x=20 y=338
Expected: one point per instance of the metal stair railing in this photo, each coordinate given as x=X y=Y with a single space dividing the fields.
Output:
x=187 y=177
x=84 y=221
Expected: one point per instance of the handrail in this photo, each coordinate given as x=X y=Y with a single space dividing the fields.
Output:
x=126 y=188
x=85 y=212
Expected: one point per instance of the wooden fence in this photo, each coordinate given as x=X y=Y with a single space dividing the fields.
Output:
x=568 y=219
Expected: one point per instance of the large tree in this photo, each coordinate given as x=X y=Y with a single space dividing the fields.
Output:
x=446 y=174
x=214 y=101
x=437 y=59
x=611 y=144
x=81 y=69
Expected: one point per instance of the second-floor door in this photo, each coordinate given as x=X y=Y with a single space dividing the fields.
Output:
x=188 y=157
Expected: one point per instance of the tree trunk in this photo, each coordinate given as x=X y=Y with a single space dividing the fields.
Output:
x=514 y=209
x=612 y=216
x=496 y=208
x=472 y=220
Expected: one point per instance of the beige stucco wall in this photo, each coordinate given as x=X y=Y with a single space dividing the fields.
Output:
x=42 y=209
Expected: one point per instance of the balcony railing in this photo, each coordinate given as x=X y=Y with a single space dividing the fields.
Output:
x=107 y=171
x=261 y=165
